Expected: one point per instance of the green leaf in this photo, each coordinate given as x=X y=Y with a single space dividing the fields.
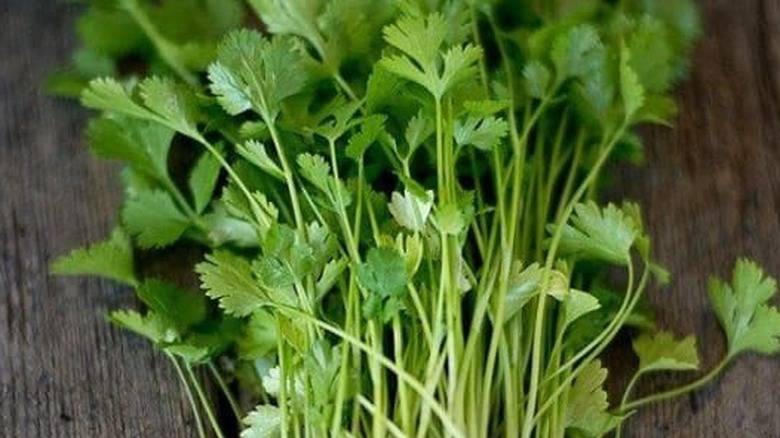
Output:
x=631 y=90
x=141 y=144
x=588 y=405
x=383 y=275
x=112 y=259
x=602 y=234
x=576 y=52
x=537 y=79
x=411 y=211
x=203 y=181
x=661 y=352
x=182 y=308
x=150 y=326
x=420 y=38
x=252 y=71
x=107 y=94
x=450 y=219
x=371 y=128
x=295 y=17
x=315 y=169
x=265 y=421
x=419 y=129
x=260 y=336
x=153 y=218
x=577 y=304
x=228 y=278
x=484 y=134
x=653 y=67
x=172 y=102
x=741 y=306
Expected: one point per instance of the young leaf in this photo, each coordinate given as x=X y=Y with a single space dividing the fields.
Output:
x=265 y=421
x=749 y=322
x=141 y=144
x=383 y=275
x=537 y=79
x=578 y=304
x=203 y=181
x=108 y=95
x=228 y=278
x=154 y=219
x=315 y=169
x=661 y=352
x=252 y=71
x=112 y=259
x=484 y=134
x=294 y=17
x=255 y=153
x=603 y=234
x=409 y=210
x=631 y=90
x=150 y=326
x=172 y=102
x=576 y=52
x=587 y=406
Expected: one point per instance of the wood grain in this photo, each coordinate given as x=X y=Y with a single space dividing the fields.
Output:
x=710 y=190
x=64 y=371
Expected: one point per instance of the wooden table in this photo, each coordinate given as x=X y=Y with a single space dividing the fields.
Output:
x=710 y=191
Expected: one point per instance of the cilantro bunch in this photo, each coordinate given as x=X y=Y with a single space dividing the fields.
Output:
x=396 y=202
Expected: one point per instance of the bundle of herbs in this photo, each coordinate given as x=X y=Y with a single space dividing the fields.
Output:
x=396 y=205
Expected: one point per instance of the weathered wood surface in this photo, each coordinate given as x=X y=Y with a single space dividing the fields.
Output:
x=710 y=191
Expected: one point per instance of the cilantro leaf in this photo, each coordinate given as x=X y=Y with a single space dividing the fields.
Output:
x=631 y=90
x=203 y=181
x=383 y=275
x=576 y=52
x=741 y=306
x=108 y=95
x=411 y=211
x=419 y=38
x=482 y=133
x=182 y=308
x=265 y=421
x=172 y=102
x=141 y=144
x=150 y=326
x=153 y=218
x=228 y=278
x=661 y=352
x=252 y=71
x=587 y=406
x=255 y=153
x=112 y=259
x=603 y=234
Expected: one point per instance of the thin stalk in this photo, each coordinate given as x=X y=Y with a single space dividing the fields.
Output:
x=676 y=392
x=225 y=390
x=536 y=354
x=190 y=397
x=204 y=401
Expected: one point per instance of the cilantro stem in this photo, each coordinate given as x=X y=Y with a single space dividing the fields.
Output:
x=288 y=176
x=225 y=390
x=536 y=354
x=190 y=397
x=401 y=373
x=204 y=401
x=676 y=392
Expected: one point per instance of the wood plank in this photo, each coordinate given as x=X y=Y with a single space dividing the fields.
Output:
x=709 y=190
x=64 y=371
